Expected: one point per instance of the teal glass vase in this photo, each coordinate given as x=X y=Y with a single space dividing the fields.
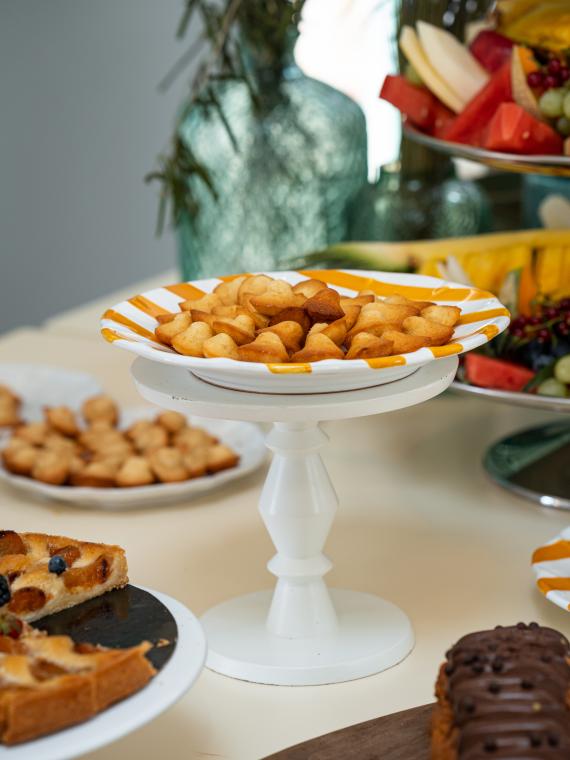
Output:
x=285 y=172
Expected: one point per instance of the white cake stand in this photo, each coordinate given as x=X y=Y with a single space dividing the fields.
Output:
x=302 y=634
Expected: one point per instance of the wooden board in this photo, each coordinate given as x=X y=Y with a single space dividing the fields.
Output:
x=401 y=736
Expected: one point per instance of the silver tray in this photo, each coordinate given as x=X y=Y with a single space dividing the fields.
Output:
x=558 y=166
x=528 y=400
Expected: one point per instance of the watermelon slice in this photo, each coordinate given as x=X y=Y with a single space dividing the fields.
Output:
x=469 y=126
x=417 y=104
x=514 y=130
x=487 y=372
x=491 y=49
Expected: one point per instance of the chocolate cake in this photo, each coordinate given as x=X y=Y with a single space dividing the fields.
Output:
x=504 y=693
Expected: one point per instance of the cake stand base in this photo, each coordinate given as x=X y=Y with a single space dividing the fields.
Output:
x=533 y=463
x=373 y=635
x=302 y=633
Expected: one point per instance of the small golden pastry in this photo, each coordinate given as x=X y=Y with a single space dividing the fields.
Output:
x=402 y=343
x=324 y=306
x=100 y=439
x=169 y=330
x=360 y=301
x=100 y=408
x=241 y=329
x=419 y=305
x=162 y=319
x=290 y=333
x=168 y=465
x=220 y=346
x=317 y=348
x=172 y=422
x=366 y=346
x=220 y=457
x=135 y=471
x=351 y=314
x=62 y=419
x=202 y=316
x=309 y=288
x=96 y=475
x=34 y=433
x=59 y=442
x=446 y=315
x=150 y=438
x=20 y=457
x=294 y=314
x=252 y=286
x=10 y=405
x=190 y=341
x=278 y=296
x=228 y=292
x=437 y=333
x=192 y=438
x=196 y=461
x=336 y=331
x=51 y=467
x=267 y=348
x=205 y=303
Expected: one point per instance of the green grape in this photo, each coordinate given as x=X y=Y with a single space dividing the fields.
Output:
x=552 y=387
x=566 y=104
x=550 y=103
x=563 y=126
x=412 y=75
x=562 y=369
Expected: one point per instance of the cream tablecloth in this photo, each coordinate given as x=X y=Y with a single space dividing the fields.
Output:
x=419 y=524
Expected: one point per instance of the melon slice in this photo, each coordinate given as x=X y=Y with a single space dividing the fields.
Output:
x=454 y=63
x=412 y=49
x=522 y=94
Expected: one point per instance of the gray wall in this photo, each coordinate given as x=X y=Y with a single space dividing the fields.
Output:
x=81 y=122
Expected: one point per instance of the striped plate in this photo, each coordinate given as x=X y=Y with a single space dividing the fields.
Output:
x=551 y=564
x=131 y=325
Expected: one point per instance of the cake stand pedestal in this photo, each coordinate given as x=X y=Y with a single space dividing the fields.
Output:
x=302 y=633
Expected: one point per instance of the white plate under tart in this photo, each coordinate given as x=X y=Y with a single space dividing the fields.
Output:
x=166 y=688
x=131 y=324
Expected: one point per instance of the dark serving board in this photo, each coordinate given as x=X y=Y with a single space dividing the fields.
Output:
x=121 y=618
x=401 y=736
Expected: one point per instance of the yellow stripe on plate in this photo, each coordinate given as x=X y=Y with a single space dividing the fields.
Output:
x=449 y=350
x=386 y=361
x=122 y=320
x=557 y=550
x=553 y=584
x=142 y=303
x=356 y=282
x=230 y=277
x=185 y=290
x=479 y=316
x=294 y=368
x=111 y=336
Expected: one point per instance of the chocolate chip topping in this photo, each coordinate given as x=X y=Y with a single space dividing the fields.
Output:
x=508 y=689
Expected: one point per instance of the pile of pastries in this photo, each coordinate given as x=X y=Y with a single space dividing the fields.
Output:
x=256 y=318
x=94 y=452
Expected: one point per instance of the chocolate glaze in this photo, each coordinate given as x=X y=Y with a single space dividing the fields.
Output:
x=508 y=689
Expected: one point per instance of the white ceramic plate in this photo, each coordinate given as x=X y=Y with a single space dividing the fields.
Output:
x=166 y=688
x=131 y=324
x=551 y=565
x=527 y=400
x=40 y=385
x=245 y=438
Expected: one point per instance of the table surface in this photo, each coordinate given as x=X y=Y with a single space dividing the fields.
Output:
x=419 y=524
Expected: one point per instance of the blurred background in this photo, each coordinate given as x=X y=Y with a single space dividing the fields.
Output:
x=83 y=122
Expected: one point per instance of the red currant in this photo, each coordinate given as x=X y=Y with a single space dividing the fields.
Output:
x=535 y=321
x=564 y=74
x=517 y=332
x=554 y=66
x=563 y=329
x=543 y=334
x=552 y=81
x=551 y=313
x=535 y=79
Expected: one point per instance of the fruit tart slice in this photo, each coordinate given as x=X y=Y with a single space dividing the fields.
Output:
x=42 y=574
x=48 y=683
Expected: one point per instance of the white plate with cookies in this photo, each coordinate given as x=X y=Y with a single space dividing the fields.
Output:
x=101 y=457
x=305 y=332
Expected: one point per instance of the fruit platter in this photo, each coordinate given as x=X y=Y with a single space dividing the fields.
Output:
x=502 y=99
